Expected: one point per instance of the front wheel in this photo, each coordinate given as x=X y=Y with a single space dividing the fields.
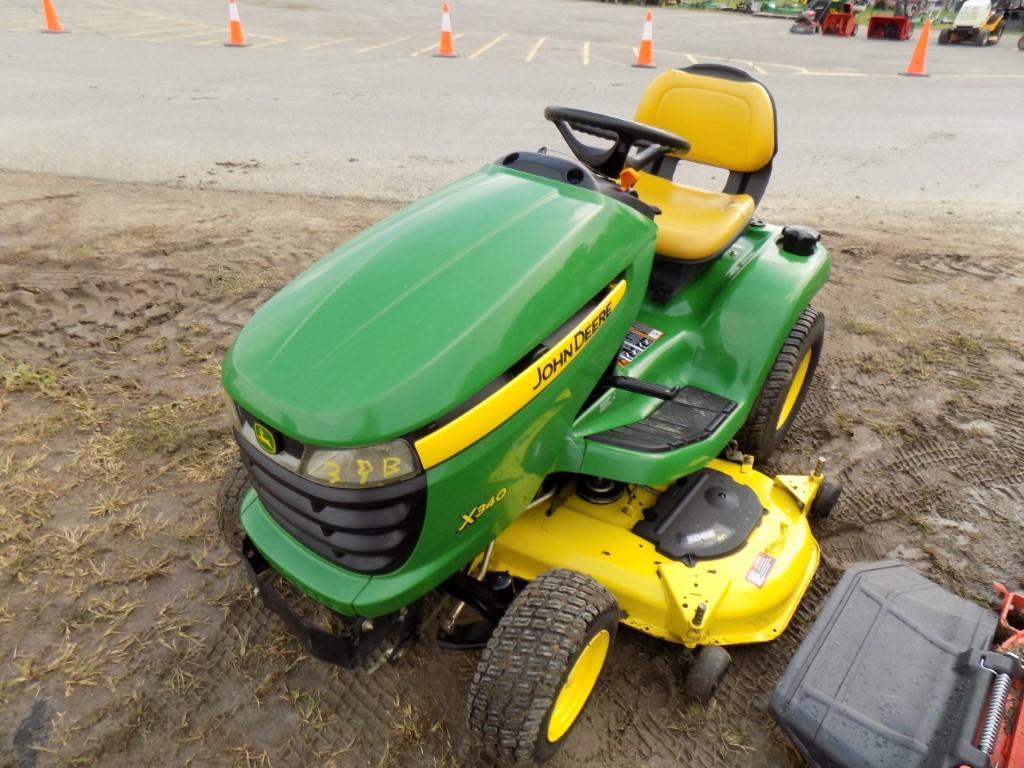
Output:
x=707 y=672
x=943 y=37
x=539 y=668
x=233 y=487
x=982 y=39
x=784 y=390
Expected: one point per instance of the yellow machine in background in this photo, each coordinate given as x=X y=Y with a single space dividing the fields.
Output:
x=977 y=21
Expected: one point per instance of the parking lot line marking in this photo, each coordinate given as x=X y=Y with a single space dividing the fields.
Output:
x=381 y=45
x=994 y=75
x=149 y=31
x=276 y=41
x=690 y=58
x=759 y=70
x=586 y=54
x=147 y=24
x=533 y=51
x=329 y=42
x=142 y=13
x=636 y=53
x=435 y=45
x=491 y=44
x=19 y=20
x=183 y=36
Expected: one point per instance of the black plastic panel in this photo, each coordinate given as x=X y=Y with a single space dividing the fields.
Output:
x=369 y=530
x=889 y=676
x=691 y=416
x=704 y=516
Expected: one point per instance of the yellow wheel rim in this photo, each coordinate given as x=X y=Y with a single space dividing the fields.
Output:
x=578 y=685
x=795 y=387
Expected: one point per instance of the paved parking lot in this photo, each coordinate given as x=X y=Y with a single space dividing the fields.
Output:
x=311 y=106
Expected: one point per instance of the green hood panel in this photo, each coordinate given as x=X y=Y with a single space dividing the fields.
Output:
x=418 y=313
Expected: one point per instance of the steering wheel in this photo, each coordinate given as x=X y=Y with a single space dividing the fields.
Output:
x=624 y=135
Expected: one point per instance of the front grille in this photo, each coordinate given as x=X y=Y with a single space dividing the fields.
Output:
x=371 y=530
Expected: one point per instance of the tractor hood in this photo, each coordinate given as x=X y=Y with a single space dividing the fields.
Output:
x=418 y=313
x=973 y=13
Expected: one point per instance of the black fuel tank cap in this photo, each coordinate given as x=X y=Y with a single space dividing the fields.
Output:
x=800 y=240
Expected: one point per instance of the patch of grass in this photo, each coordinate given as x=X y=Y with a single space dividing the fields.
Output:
x=862 y=327
x=24 y=377
x=227 y=280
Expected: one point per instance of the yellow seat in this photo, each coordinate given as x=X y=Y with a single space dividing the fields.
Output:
x=694 y=223
x=729 y=119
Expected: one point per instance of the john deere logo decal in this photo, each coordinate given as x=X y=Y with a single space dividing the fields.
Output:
x=265 y=438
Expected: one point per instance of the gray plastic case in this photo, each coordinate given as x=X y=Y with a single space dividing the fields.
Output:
x=889 y=675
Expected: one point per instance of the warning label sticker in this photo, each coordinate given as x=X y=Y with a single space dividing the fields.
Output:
x=758 y=573
x=639 y=338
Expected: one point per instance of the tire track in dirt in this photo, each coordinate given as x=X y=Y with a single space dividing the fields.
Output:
x=915 y=408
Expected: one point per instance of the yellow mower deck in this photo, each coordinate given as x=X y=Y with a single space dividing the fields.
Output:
x=748 y=596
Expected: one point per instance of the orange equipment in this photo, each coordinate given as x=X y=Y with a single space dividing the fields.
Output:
x=841 y=20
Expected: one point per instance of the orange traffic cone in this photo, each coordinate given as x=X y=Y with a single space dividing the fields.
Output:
x=446 y=49
x=916 y=66
x=236 y=37
x=645 y=57
x=53 y=24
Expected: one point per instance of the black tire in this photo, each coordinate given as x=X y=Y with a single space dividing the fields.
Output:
x=944 y=37
x=706 y=672
x=1020 y=43
x=825 y=501
x=527 y=661
x=762 y=434
x=233 y=486
x=981 y=39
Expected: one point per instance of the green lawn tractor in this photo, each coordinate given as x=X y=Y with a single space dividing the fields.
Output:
x=539 y=392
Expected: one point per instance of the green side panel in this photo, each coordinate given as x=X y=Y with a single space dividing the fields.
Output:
x=507 y=466
x=722 y=334
x=324 y=582
x=419 y=312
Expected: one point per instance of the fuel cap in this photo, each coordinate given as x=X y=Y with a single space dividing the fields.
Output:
x=800 y=240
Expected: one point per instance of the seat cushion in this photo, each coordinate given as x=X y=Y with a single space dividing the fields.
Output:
x=694 y=224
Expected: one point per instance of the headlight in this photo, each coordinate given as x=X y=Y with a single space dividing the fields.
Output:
x=361 y=467
x=232 y=410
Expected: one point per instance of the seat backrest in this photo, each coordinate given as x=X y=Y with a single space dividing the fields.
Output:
x=727 y=116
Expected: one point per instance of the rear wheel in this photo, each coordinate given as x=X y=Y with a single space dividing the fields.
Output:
x=233 y=487
x=982 y=38
x=944 y=37
x=539 y=667
x=784 y=390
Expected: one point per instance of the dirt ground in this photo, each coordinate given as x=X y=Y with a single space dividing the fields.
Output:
x=127 y=634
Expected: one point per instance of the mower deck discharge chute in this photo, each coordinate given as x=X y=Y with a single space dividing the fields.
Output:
x=540 y=390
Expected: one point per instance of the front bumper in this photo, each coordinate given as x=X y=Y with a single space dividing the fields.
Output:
x=358 y=638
